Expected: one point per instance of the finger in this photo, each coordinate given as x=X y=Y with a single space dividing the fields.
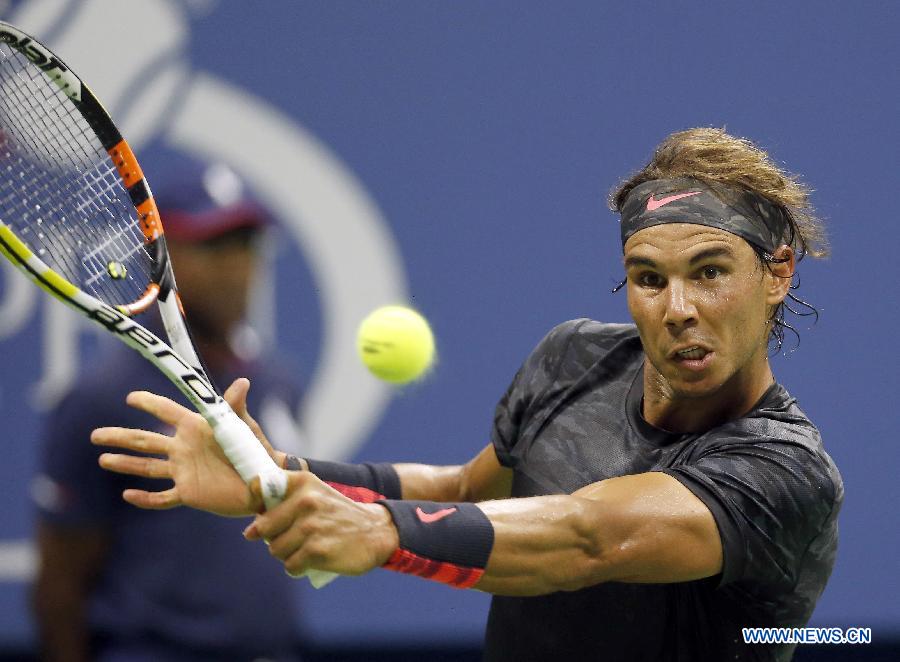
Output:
x=257 y=503
x=146 y=467
x=298 y=537
x=168 y=411
x=153 y=500
x=297 y=504
x=130 y=439
x=296 y=564
x=236 y=395
x=274 y=522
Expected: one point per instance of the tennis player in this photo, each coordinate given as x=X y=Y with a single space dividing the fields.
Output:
x=649 y=489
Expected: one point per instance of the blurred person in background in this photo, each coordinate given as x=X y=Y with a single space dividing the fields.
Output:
x=117 y=584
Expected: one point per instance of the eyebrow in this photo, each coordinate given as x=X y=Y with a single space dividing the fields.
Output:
x=709 y=253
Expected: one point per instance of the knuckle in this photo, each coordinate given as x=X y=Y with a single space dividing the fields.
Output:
x=294 y=565
x=194 y=423
x=307 y=501
x=306 y=530
x=303 y=478
x=317 y=551
x=280 y=548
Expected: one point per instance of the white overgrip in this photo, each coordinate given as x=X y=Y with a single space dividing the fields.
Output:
x=250 y=459
x=247 y=455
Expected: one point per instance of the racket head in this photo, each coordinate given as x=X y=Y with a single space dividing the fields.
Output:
x=71 y=189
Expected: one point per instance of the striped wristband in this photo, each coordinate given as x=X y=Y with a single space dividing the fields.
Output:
x=444 y=542
x=364 y=483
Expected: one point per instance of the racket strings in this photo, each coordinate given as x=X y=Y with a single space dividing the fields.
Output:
x=84 y=226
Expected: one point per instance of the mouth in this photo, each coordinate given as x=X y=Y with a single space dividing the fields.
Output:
x=692 y=357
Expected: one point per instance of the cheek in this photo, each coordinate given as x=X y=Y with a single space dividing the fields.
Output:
x=647 y=317
x=641 y=310
x=740 y=313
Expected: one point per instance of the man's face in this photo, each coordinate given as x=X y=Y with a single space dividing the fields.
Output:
x=701 y=302
x=214 y=280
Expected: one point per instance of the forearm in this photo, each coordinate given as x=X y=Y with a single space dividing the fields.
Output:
x=416 y=481
x=480 y=479
x=641 y=528
x=62 y=625
x=644 y=528
x=511 y=547
x=70 y=563
x=431 y=483
x=543 y=544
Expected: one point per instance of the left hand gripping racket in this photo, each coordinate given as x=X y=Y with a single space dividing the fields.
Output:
x=78 y=218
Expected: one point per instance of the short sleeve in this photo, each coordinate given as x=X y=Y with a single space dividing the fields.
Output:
x=770 y=501
x=70 y=488
x=534 y=379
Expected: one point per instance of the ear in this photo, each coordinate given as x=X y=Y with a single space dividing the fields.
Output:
x=781 y=273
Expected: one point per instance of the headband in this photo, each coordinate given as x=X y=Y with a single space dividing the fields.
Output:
x=685 y=200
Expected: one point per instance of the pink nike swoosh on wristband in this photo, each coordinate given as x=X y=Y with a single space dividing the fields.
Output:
x=653 y=204
x=430 y=518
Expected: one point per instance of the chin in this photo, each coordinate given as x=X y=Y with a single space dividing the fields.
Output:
x=695 y=386
x=693 y=391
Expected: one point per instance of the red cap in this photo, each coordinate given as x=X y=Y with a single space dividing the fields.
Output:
x=199 y=201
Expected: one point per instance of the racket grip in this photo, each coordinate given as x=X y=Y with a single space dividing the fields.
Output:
x=320 y=578
x=250 y=460
x=247 y=455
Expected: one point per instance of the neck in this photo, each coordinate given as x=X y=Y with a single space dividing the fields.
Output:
x=666 y=409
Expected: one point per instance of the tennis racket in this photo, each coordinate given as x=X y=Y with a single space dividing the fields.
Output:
x=78 y=218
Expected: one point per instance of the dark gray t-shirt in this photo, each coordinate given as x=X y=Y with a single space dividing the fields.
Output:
x=572 y=417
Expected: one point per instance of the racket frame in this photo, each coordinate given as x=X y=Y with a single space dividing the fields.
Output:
x=179 y=362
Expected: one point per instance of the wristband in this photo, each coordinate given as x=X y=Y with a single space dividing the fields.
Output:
x=444 y=542
x=292 y=463
x=364 y=483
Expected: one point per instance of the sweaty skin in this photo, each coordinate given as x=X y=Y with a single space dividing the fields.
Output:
x=694 y=286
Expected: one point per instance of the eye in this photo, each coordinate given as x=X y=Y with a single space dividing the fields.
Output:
x=650 y=279
x=710 y=273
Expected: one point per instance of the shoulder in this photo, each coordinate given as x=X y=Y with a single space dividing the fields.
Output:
x=778 y=443
x=572 y=349
x=586 y=335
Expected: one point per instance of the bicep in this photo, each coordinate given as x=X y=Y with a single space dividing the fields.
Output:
x=484 y=478
x=652 y=529
x=770 y=500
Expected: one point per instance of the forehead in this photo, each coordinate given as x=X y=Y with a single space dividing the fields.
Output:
x=673 y=241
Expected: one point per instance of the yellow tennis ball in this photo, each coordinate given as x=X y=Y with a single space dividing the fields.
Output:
x=396 y=344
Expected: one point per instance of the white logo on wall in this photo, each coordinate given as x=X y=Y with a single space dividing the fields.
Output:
x=333 y=221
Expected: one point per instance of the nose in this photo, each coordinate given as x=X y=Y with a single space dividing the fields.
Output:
x=680 y=310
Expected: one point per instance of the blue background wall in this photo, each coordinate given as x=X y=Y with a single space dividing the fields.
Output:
x=488 y=135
